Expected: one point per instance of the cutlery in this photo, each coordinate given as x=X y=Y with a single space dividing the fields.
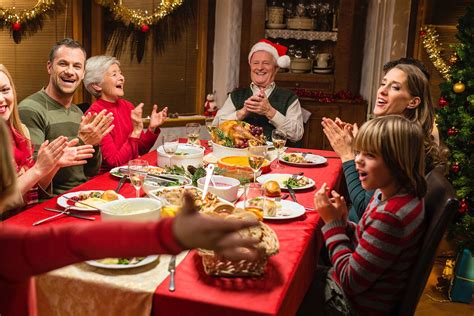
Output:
x=172 y=270
x=309 y=208
x=164 y=178
x=51 y=217
x=120 y=184
x=292 y=193
x=285 y=196
x=69 y=213
x=88 y=205
x=209 y=172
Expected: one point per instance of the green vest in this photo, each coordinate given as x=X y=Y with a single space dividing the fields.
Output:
x=280 y=99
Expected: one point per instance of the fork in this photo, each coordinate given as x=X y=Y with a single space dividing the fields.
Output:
x=172 y=270
x=51 y=217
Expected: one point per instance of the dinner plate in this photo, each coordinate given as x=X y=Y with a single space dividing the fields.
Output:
x=289 y=210
x=280 y=177
x=145 y=261
x=314 y=160
x=116 y=173
x=62 y=201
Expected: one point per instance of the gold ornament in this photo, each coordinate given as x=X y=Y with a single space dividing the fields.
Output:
x=459 y=87
x=139 y=18
x=429 y=38
x=9 y=16
x=453 y=58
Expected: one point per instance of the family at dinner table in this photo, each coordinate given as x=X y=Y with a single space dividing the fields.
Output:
x=371 y=236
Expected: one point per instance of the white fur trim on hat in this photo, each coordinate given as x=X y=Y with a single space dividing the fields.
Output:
x=282 y=61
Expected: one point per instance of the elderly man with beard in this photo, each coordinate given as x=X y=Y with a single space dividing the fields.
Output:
x=263 y=103
x=50 y=113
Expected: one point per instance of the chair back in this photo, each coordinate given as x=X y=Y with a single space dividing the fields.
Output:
x=440 y=207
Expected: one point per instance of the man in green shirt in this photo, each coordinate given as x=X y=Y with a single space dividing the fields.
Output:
x=50 y=113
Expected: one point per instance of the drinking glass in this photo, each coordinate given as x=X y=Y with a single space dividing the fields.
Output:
x=192 y=131
x=256 y=156
x=170 y=144
x=279 y=141
x=253 y=192
x=137 y=173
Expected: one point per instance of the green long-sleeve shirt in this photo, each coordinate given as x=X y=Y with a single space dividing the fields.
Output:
x=359 y=197
x=47 y=119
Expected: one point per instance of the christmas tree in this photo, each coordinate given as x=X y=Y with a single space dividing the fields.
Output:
x=456 y=126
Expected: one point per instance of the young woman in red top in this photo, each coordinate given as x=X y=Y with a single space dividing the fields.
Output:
x=128 y=139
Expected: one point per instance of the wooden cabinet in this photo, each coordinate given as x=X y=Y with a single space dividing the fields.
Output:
x=348 y=112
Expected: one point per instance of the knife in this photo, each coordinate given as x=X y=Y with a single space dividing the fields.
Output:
x=292 y=193
x=172 y=270
x=68 y=213
x=164 y=178
x=120 y=184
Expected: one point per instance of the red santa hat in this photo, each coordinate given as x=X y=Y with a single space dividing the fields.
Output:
x=278 y=52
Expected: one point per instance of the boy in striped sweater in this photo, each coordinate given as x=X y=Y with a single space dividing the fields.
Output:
x=372 y=260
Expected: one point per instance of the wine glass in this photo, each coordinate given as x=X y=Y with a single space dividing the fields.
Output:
x=137 y=173
x=170 y=144
x=256 y=156
x=253 y=192
x=192 y=131
x=279 y=141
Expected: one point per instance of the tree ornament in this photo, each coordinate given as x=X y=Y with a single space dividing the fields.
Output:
x=459 y=87
x=453 y=58
x=452 y=131
x=145 y=28
x=455 y=167
x=422 y=33
x=442 y=102
x=16 y=26
x=463 y=207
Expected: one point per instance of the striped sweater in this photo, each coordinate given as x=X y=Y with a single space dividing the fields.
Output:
x=372 y=260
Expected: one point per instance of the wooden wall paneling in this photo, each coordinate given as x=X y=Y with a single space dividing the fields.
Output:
x=77 y=15
x=202 y=52
x=211 y=21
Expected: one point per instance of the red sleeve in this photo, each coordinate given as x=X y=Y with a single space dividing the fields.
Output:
x=147 y=140
x=31 y=251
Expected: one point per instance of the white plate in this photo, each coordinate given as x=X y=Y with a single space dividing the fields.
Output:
x=65 y=203
x=145 y=261
x=289 y=210
x=314 y=160
x=280 y=177
x=116 y=173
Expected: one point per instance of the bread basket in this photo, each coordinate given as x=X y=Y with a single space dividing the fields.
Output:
x=218 y=266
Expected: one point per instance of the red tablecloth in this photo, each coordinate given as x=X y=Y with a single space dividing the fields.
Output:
x=278 y=292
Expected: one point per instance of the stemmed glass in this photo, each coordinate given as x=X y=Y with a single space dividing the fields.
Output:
x=137 y=173
x=192 y=131
x=256 y=156
x=279 y=141
x=170 y=144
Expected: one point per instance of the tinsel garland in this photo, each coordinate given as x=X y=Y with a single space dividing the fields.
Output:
x=167 y=21
x=29 y=21
x=429 y=39
x=324 y=97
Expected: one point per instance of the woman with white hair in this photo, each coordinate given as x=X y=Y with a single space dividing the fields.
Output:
x=128 y=139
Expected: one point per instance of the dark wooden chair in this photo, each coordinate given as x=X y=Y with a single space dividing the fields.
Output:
x=440 y=207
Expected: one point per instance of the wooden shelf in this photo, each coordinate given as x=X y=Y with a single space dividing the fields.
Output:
x=304 y=77
x=301 y=35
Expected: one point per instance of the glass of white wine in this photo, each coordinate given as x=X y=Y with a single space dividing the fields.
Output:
x=256 y=156
x=279 y=141
x=137 y=173
x=192 y=131
x=170 y=144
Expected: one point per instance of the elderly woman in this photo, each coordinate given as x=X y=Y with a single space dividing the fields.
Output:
x=263 y=103
x=404 y=91
x=128 y=139
x=34 y=176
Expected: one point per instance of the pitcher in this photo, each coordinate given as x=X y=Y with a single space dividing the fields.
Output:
x=323 y=59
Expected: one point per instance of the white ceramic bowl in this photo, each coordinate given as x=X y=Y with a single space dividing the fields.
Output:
x=225 y=187
x=187 y=155
x=152 y=183
x=220 y=151
x=135 y=210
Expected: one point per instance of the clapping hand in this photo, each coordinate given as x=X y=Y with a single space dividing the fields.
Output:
x=194 y=230
x=259 y=104
x=137 y=120
x=340 y=136
x=330 y=209
x=157 y=118
x=49 y=154
x=75 y=155
x=94 y=127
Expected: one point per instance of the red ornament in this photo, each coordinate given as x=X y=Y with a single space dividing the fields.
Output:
x=455 y=167
x=145 y=28
x=452 y=131
x=442 y=102
x=16 y=26
x=463 y=206
x=422 y=33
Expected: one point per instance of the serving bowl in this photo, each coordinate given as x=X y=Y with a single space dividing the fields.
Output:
x=220 y=151
x=185 y=155
x=224 y=187
x=135 y=210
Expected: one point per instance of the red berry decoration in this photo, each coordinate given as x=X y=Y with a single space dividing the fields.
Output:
x=16 y=26
x=463 y=206
x=455 y=167
x=422 y=33
x=145 y=28
x=452 y=131
x=442 y=102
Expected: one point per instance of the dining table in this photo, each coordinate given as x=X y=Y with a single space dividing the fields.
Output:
x=279 y=291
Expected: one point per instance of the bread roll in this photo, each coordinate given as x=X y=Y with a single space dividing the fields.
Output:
x=271 y=188
x=109 y=195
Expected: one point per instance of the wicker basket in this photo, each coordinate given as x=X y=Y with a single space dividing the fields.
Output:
x=218 y=266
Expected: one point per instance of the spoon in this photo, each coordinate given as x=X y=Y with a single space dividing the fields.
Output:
x=209 y=172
